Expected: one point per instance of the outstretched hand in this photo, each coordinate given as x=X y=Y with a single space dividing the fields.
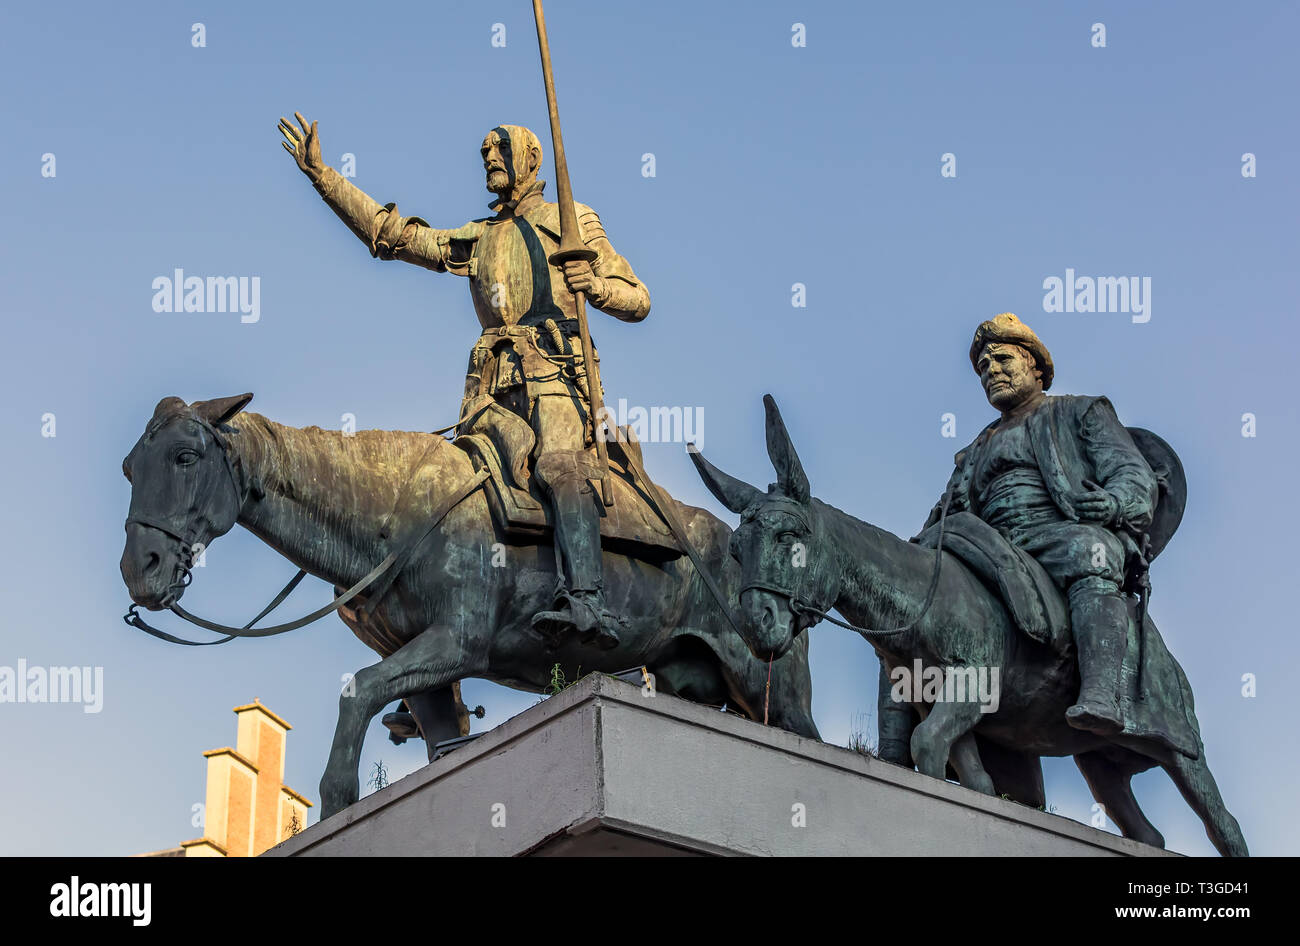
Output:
x=304 y=147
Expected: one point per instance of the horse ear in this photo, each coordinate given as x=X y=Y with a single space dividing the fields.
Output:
x=736 y=495
x=219 y=410
x=790 y=476
x=167 y=405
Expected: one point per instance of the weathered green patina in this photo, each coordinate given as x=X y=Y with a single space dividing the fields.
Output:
x=337 y=505
x=1068 y=484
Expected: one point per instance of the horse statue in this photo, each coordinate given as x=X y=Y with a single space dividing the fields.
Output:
x=461 y=597
x=875 y=579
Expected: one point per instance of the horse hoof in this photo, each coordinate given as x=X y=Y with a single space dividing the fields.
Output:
x=335 y=797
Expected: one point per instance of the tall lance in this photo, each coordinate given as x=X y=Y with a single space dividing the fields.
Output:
x=572 y=248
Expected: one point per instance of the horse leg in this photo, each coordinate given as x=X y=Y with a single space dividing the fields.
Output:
x=789 y=702
x=1110 y=782
x=965 y=758
x=688 y=668
x=425 y=663
x=934 y=737
x=1193 y=778
x=1018 y=775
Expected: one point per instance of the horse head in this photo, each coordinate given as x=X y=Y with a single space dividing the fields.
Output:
x=186 y=490
x=777 y=545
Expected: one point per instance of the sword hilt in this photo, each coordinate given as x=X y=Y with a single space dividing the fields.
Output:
x=565 y=253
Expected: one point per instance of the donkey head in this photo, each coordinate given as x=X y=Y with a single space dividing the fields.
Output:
x=185 y=491
x=776 y=545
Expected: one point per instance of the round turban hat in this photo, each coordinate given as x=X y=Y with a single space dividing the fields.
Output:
x=1009 y=330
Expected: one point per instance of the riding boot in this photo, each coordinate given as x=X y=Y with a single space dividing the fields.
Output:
x=1100 y=619
x=401 y=724
x=580 y=601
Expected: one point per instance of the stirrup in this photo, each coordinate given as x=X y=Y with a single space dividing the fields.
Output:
x=401 y=726
x=576 y=614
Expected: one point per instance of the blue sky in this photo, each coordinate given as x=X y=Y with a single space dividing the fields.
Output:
x=774 y=165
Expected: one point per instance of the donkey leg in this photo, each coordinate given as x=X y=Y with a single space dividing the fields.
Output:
x=1193 y=778
x=1110 y=782
x=965 y=758
x=1018 y=775
x=933 y=738
x=895 y=721
x=425 y=663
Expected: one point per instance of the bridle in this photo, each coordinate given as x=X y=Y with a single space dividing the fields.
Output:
x=388 y=569
x=187 y=533
x=799 y=605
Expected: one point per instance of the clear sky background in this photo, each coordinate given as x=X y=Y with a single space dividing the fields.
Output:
x=774 y=165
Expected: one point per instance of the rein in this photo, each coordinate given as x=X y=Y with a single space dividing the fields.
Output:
x=802 y=607
x=402 y=555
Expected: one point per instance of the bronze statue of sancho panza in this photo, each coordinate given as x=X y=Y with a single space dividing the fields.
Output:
x=528 y=357
x=1061 y=478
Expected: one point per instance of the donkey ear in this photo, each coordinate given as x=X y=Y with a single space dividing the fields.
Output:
x=219 y=410
x=736 y=495
x=790 y=476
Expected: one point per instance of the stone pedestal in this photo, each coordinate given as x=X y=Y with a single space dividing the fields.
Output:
x=602 y=769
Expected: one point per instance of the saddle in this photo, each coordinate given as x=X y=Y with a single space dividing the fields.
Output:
x=1026 y=589
x=500 y=441
x=1036 y=605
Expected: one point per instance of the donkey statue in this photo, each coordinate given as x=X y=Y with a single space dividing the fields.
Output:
x=801 y=558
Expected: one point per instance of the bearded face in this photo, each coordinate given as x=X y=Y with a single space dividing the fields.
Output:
x=511 y=156
x=1009 y=374
x=496 y=162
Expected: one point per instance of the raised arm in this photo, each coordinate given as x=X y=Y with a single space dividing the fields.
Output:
x=386 y=233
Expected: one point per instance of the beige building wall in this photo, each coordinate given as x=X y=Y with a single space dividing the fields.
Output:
x=249 y=808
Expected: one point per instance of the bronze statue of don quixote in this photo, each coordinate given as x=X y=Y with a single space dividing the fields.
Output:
x=1034 y=563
